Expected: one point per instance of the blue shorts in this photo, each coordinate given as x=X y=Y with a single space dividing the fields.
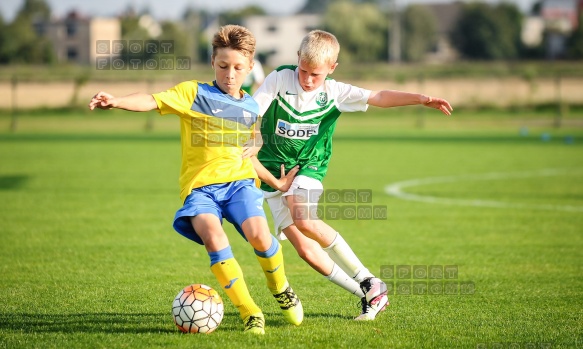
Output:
x=235 y=201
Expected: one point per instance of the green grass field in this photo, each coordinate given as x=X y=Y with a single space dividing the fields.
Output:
x=89 y=259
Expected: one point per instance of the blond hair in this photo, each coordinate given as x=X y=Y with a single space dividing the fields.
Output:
x=235 y=37
x=319 y=47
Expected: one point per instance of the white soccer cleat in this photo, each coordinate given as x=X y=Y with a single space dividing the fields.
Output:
x=372 y=288
x=370 y=310
x=375 y=298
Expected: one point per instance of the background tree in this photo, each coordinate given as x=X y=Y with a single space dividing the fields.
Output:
x=133 y=28
x=315 y=6
x=237 y=16
x=23 y=40
x=488 y=32
x=509 y=19
x=174 y=31
x=35 y=10
x=536 y=8
x=575 y=41
x=192 y=24
x=361 y=30
x=419 y=32
x=130 y=26
x=2 y=37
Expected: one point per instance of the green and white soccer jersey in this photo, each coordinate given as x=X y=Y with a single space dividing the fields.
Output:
x=297 y=126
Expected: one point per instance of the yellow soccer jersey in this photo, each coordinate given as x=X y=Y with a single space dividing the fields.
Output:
x=213 y=128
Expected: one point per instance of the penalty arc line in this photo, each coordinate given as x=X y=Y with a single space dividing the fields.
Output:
x=396 y=190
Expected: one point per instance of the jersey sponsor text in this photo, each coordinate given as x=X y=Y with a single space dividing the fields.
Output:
x=296 y=131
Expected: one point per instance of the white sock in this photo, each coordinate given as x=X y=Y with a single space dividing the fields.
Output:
x=340 y=278
x=343 y=255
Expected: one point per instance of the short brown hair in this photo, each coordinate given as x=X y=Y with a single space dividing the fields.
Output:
x=235 y=37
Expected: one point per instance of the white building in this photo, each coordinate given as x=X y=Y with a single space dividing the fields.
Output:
x=560 y=18
x=75 y=38
x=533 y=29
x=560 y=15
x=279 y=37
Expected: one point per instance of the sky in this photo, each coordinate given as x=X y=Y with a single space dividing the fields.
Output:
x=173 y=9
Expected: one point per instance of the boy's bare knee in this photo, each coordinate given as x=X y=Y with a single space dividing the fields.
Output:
x=258 y=237
x=306 y=226
x=260 y=240
x=308 y=255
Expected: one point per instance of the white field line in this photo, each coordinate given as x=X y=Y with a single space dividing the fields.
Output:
x=396 y=190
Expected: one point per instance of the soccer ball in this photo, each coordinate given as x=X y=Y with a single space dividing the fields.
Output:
x=197 y=309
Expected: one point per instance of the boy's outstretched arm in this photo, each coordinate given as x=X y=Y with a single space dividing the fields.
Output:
x=281 y=184
x=133 y=102
x=392 y=98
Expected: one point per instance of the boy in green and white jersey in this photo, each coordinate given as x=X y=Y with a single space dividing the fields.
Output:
x=300 y=106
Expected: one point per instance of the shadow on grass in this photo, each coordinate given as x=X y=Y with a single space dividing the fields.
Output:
x=88 y=322
x=124 y=323
x=82 y=137
x=11 y=182
x=276 y=319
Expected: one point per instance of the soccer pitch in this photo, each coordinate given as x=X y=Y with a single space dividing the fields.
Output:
x=89 y=258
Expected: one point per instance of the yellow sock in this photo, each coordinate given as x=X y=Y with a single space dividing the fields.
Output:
x=272 y=264
x=230 y=276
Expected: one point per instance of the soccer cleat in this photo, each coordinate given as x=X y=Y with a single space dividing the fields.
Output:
x=375 y=298
x=372 y=288
x=254 y=324
x=290 y=305
x=370 y=310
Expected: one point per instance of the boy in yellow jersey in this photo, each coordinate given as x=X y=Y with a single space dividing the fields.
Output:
x=217 y=178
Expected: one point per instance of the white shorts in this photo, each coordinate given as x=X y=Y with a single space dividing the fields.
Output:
x=304 y=188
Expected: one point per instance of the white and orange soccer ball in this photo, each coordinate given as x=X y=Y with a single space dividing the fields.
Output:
x=197 y=309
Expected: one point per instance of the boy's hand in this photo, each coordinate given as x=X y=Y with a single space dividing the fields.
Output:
x=439 y=104
x=252 y=147
x=285 y=181
x=102 y=100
